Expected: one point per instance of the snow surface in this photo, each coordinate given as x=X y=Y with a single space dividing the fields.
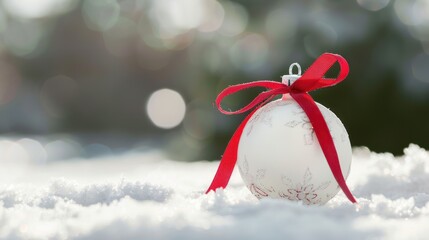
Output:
x=146 y=196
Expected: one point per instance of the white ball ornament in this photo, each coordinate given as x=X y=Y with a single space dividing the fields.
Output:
x=279 y=155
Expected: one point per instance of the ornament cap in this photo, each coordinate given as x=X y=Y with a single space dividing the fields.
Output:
x=291 y=77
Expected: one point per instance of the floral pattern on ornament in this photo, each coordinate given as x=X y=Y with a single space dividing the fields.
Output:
x=260 y=173
x=244 y=167
x=256 y=187
x=305 y=191
x=260 y=191
x=257 y=191
x=252 y=121
x=261 y=116
x=306 y=124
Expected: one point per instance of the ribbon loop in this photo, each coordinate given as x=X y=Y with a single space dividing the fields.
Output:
x=274 y=89
x=311 y=80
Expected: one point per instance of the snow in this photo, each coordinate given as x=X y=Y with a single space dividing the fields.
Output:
x=144 y=195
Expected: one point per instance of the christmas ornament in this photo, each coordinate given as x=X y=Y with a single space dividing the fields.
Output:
x=291 y=164
x=291 y=148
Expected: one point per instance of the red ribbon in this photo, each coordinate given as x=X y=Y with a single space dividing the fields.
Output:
x=311 y=80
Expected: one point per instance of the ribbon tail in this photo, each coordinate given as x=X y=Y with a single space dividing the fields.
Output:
x=229 y=158
x=325 y=139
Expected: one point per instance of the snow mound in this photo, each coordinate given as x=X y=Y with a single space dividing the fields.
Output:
x=64 y=190
x=145 y=196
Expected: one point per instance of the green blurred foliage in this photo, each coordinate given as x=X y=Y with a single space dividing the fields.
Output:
x=90 y=66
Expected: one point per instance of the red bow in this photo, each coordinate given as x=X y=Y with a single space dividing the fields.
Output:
x=311 y=80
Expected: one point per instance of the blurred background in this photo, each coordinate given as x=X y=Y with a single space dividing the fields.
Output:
x=91 y=77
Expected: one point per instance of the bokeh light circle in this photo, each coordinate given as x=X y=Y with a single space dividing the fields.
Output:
x=235 y=19
x=37 y=8
x=281 y=24
x=373 y=5
x=100 y=15
x=166 y=108
x=249 y=52
x=34 y=149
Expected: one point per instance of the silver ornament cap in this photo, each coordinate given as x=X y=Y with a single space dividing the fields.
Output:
x=291 y=77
